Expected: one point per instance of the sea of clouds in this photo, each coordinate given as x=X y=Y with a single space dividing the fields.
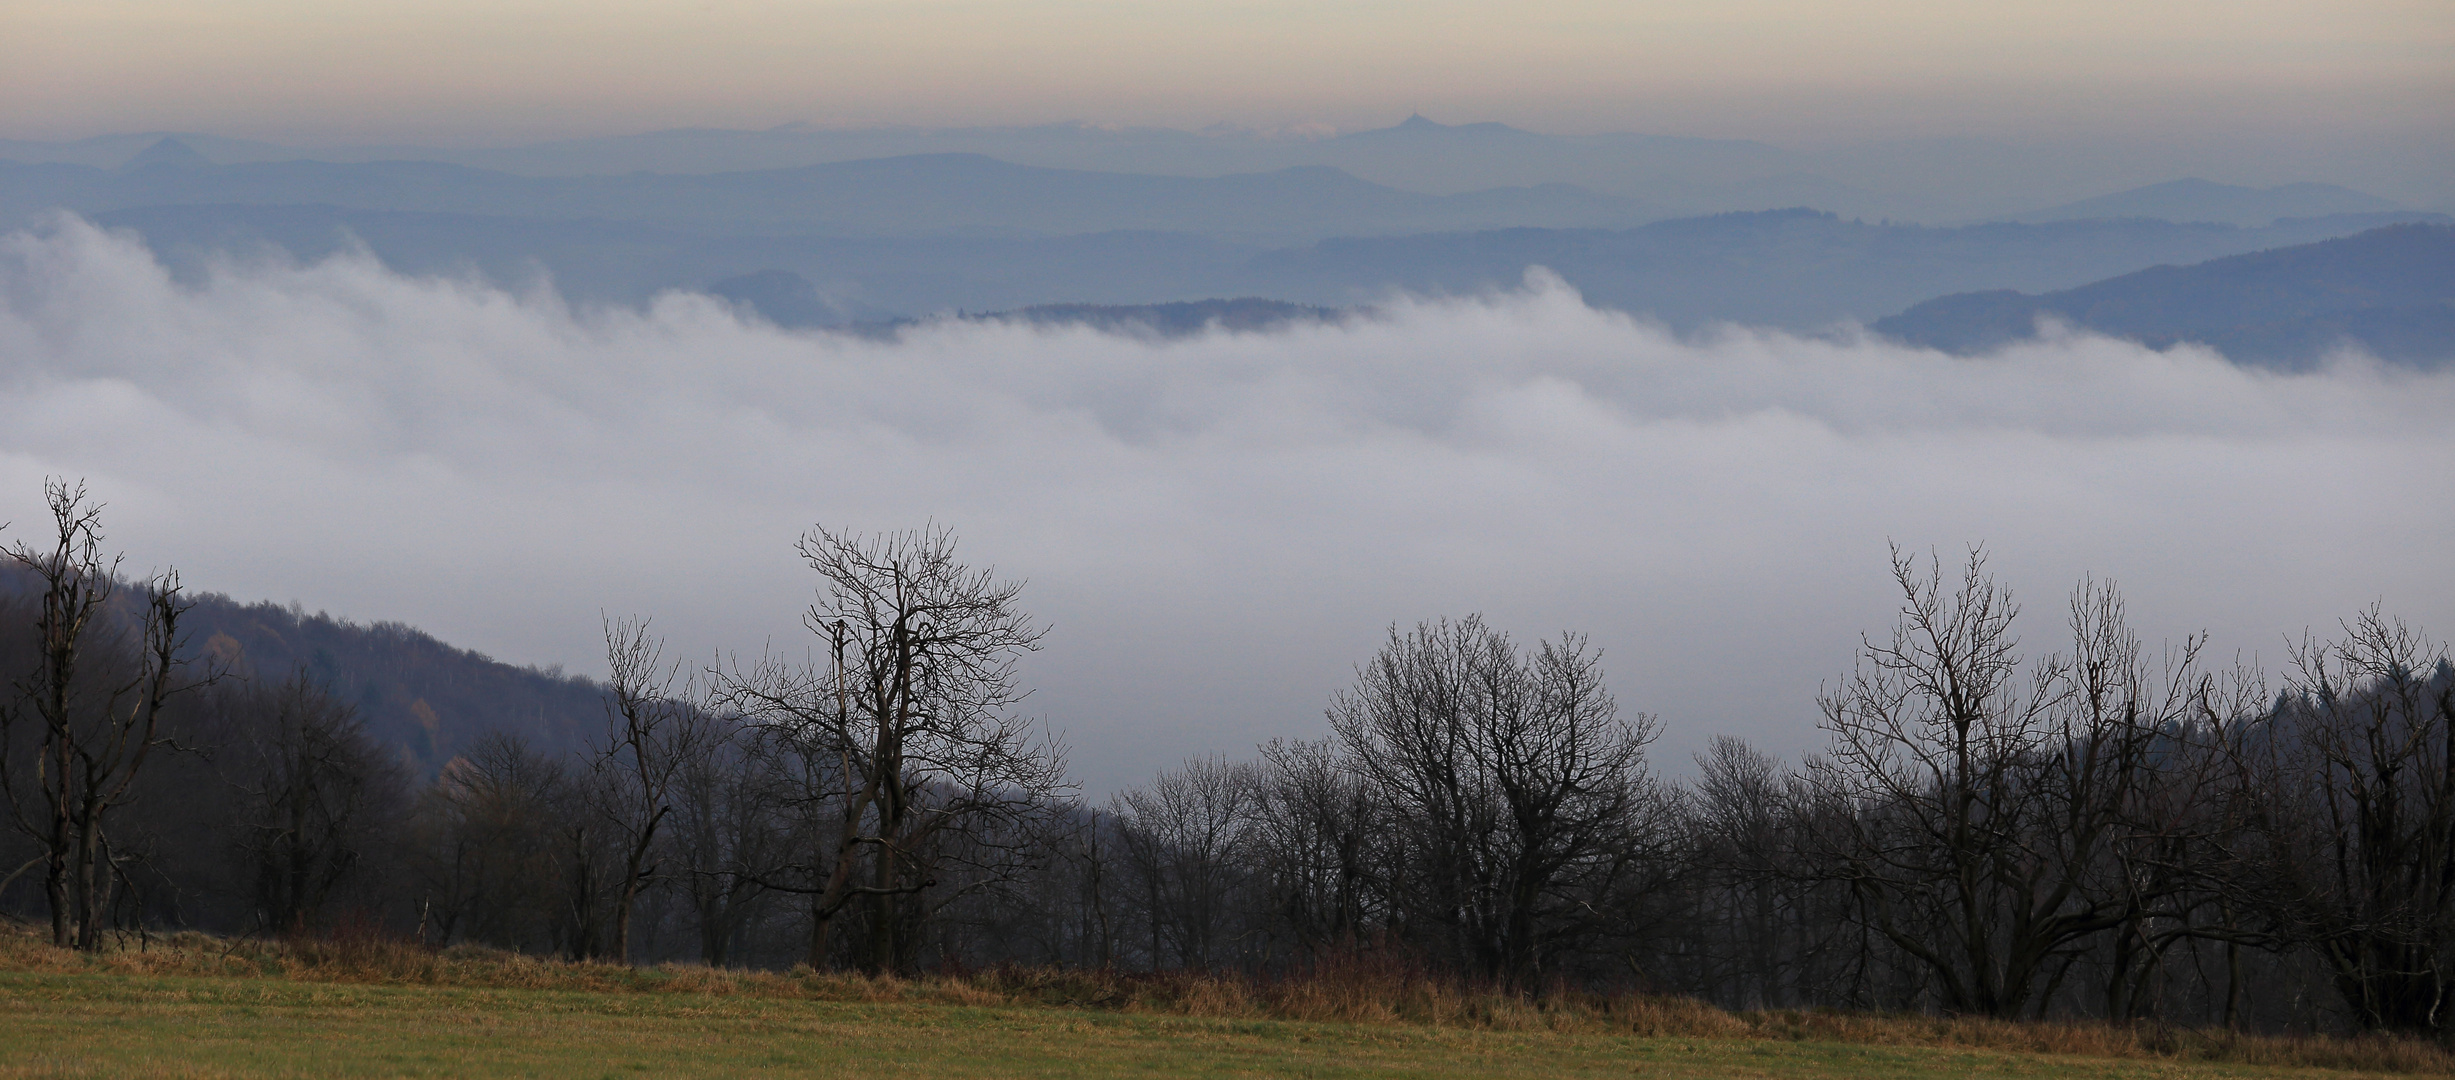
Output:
x=1219 y=528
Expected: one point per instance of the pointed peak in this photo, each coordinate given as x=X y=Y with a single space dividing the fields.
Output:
x=1419 y=122
x=168 y=152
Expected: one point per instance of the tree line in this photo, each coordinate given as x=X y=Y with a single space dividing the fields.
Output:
x=2099 y=830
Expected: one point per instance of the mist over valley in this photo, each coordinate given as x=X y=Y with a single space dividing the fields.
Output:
x=1093 y=539
x=1713 y=508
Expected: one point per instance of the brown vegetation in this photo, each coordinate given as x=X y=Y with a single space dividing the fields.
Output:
x=1360 y=990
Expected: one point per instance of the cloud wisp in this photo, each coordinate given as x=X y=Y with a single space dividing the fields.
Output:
x=1218 y=527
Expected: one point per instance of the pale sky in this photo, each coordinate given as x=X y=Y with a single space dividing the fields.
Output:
x=1793 y=70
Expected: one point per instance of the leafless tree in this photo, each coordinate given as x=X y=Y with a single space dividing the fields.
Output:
x=1312 y=840
x=1514 y=780
x=2347 y=787
x=1184 y=838
x=652 y=735
x=732 y=813
x=96 y=698
x=491 y=852
x=915 y=708
x=1751 y=885
x=314 y=792
x=1984 y=806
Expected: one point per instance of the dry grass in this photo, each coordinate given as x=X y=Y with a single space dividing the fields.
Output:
x=1359 y=991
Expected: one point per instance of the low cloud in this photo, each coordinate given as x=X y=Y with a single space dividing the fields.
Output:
x=1218 y=527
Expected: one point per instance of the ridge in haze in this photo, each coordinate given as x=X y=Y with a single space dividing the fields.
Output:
x=2389 y=292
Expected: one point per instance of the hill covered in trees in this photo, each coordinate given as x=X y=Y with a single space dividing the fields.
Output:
x=422 y=700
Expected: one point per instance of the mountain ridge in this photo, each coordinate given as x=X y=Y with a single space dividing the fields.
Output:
x=922 y=194
x=2389 y=291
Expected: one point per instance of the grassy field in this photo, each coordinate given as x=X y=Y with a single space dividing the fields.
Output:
x=104 y=1023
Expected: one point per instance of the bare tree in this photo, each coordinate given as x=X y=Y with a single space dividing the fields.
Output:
x=732 y=812
x=314 y=792
x=489 y=853
x=1983 y=808
x=1312 y=840
x=96 y=698
x=1744 y=839
x=652 y=735
x=1184 y=836
x=1518 y=787
x=915 y=708
x=2347 y=789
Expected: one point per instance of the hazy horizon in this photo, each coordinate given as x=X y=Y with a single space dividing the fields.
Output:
x=1777 y=69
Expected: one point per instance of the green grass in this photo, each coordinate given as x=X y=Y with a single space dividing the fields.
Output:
x=108 y=1024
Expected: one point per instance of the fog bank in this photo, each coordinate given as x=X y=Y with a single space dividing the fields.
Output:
x=1219 y=528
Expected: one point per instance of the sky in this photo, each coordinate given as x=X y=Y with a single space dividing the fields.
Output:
x=1216 y=529
x=1789 y=70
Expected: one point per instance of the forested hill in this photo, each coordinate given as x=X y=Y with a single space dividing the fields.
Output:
x=428 y=699
x=421 y=699
x=2390 y=291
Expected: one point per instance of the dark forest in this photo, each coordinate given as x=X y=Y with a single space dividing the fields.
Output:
x=2014 y=813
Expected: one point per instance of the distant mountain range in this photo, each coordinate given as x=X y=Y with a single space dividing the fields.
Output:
x=921 y=195
x=875 y=240
x=1938 y=180
x=2389 y=291
x=2203 y=200
x=1799 y=269
x=1177 y=319
x=790 y=300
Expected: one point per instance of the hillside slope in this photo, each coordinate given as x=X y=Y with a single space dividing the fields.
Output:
x=420 y=696
x=1798 y=269
x=2204 y=200
x=2389 y=291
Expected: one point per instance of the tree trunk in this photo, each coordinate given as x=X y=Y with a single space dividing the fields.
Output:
x=91 y=893
x=818 y=932
x=55 y=873
x=622 y=918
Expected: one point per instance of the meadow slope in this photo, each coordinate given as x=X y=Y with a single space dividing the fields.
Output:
x=193 y=1006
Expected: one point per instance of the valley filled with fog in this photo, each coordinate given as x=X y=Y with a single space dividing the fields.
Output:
x=1218 y=526
x=1840 y=531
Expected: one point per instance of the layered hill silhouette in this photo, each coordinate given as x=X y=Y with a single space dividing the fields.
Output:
x=1797 y=269
x=1941 y=180
x=2205 y=200
x=916 y=195
x=2389 y=292
x=789 y=300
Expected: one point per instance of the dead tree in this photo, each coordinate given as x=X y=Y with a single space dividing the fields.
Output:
x=95 y=700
